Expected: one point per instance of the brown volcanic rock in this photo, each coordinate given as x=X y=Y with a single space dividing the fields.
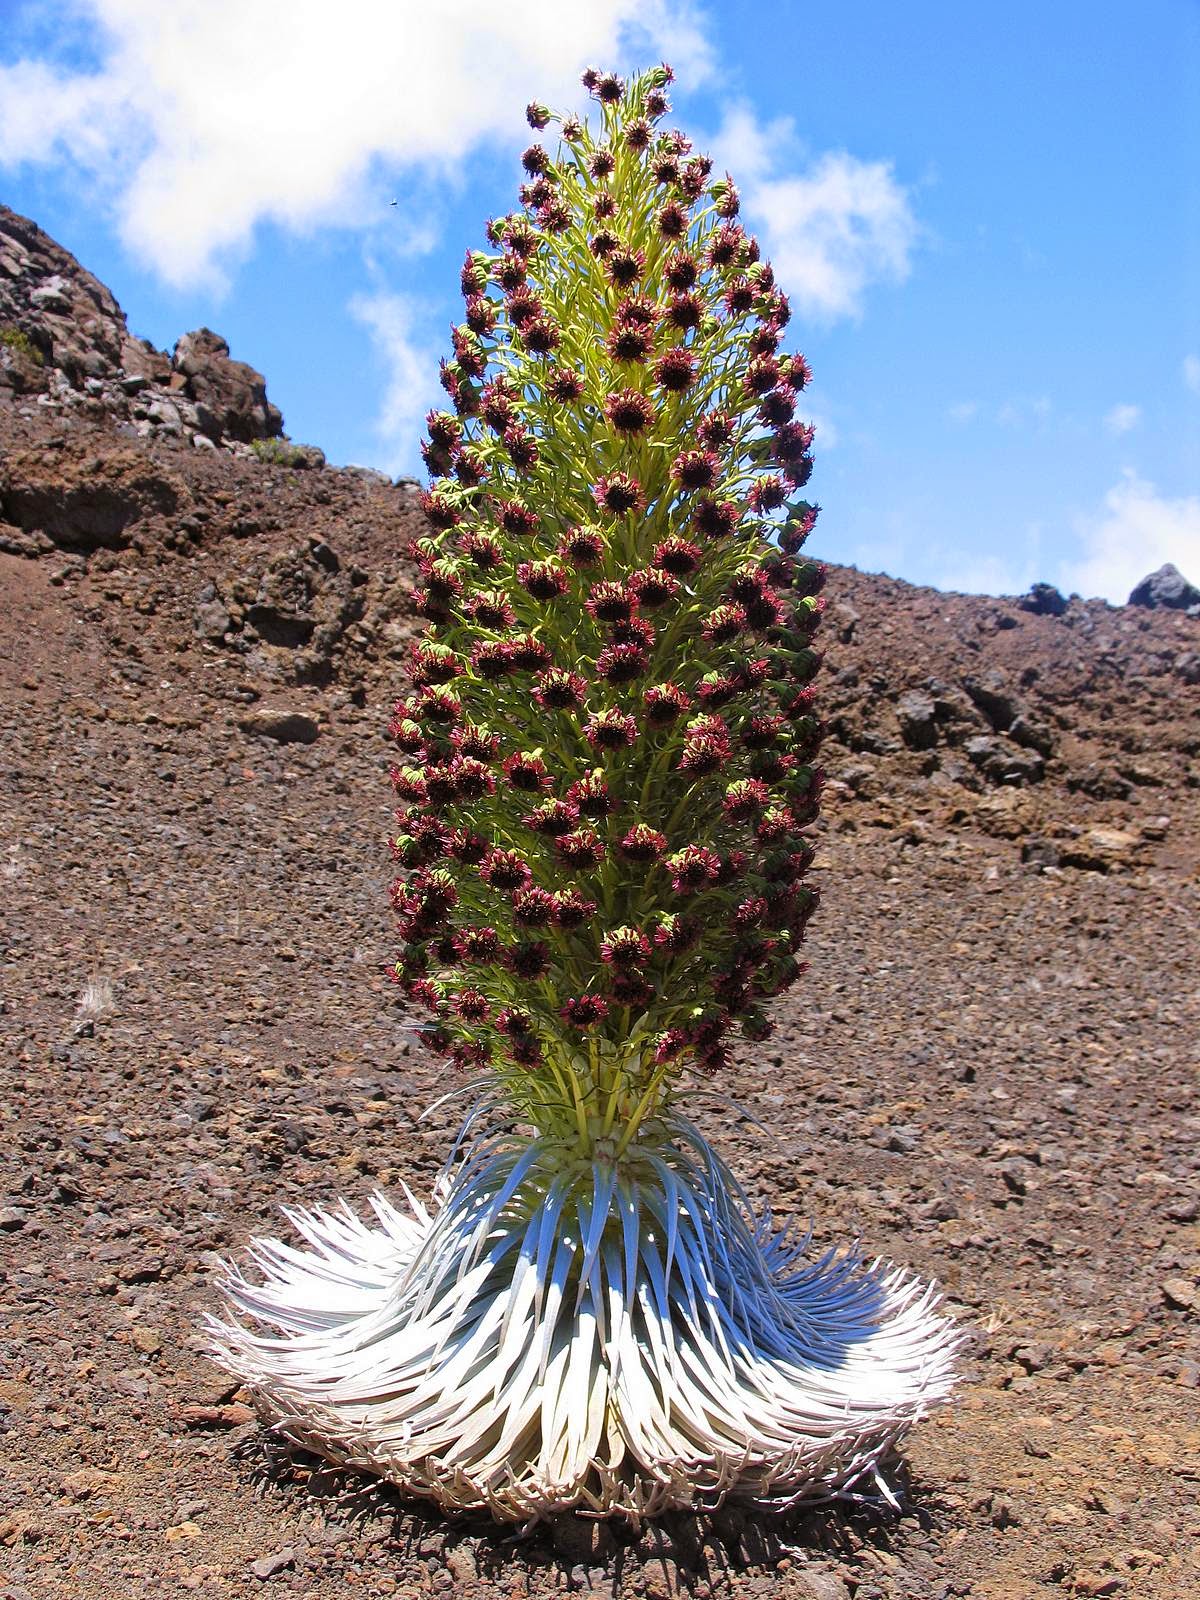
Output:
x=81 y=500
x=231 y=398
x=67 y=314
x=986 y=1073
x=64 y=341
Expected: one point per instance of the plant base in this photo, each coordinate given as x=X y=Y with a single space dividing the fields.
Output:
x=618 y=1339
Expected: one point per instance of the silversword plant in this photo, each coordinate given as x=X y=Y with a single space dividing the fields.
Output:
x=607 y=784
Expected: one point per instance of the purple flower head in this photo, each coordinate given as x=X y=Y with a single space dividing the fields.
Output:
x=530 y=654
x=584 y=1012
x=490 y=609
x=679 y=557
x=582 y=849
x=625 y=947
x=590 y=796
x=625 y=266
x=582 y=547
x=505 y=869
x=696 y=469
x=675 y=371
x=560 y=690
x=611 y=730
x=610 y=602
x=529 y=959
x=492 y=661
x=681 y=272
x=571 y=910
x=619 y=494
x=692 y=869
x=622 y=663
x=672 y=220
x=685 y=311
x=532 y=908
x=553 y=818
x=544 y=580
x=526 y=771
x=643 y=843
x=564 y=385
x=651 y=587
x=665 y=704
x=630 y=341
x=629 y=412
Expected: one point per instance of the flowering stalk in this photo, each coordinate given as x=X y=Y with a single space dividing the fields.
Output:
x=607 y=754
x=606 y=779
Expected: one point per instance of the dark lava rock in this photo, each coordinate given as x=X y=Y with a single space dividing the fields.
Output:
x=917 y=716
x=1002 y=762
x=1167 y=587
x=990 y=695
x=1040 y=852
x=64 y=338
x=1044 y=600
x=1034 y=735
x=231 y=398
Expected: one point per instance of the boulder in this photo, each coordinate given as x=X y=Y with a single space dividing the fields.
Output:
x=1002 y=762
x=231 y=397
x=65 y=312
x=917 y=716
x=993 y=699
x=1102 y=850
x=1044 y=600
x=1033 y=735
x=1167 y=588
x=285 y=727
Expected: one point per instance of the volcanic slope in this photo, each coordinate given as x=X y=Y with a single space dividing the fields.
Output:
x=988 y=1072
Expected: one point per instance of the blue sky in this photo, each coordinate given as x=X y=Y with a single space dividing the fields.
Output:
x=988 y=218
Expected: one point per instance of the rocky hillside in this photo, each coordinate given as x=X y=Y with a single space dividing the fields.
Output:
x=988 y=1072
x=65 y=344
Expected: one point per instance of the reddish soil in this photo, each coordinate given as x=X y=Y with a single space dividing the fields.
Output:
x=988 y=1073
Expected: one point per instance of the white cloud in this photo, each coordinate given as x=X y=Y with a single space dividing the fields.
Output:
x=207 y=117
x=964 y=411
x=984 y=574
x=1011 y=571
x=1191 y=373
x=832 y=229
x=1135 y=533
x=1024 y=411
x=1121 y=419
x=409 y=364
x=825 y=431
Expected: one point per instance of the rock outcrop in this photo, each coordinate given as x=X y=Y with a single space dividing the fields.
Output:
x=66 y=347
x=1167 y=587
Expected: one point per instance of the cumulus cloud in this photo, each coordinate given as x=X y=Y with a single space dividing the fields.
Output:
x=1122 y=419
x=1134 y=533
x=408 y=361
x=207 y=117
x=1024 y=411
x=832 y=228
x=987 y=574
x=1191 y=373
